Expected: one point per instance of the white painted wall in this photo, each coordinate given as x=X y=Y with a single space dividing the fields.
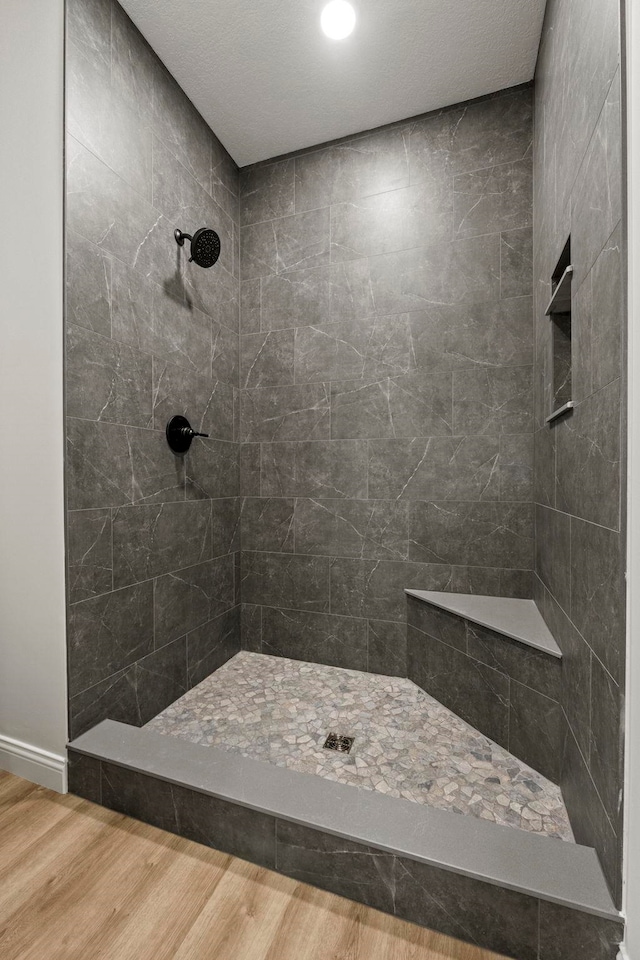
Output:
x=631 y=905
x=33 y=725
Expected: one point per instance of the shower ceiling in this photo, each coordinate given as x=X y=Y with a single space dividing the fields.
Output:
x=268 y=81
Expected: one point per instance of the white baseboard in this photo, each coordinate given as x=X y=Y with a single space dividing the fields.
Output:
x=32 y=763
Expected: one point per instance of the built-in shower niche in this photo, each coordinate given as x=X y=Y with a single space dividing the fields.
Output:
x=559 y=312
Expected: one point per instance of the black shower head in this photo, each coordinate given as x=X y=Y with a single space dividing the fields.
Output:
x=205 y=245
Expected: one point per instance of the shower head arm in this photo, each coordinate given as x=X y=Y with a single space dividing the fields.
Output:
x=181 y=237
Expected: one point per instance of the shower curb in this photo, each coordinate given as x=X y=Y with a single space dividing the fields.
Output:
x=493 y=885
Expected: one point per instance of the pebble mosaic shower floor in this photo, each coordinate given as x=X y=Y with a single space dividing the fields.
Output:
x=406 y=744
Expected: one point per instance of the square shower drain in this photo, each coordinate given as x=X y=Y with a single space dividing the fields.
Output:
x=336 y=742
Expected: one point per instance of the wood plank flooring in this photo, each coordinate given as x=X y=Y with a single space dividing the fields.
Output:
x=78 y=882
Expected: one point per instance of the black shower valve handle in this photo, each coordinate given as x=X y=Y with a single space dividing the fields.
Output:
x=180 y=433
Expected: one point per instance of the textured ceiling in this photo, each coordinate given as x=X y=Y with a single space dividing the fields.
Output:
x=268 y=81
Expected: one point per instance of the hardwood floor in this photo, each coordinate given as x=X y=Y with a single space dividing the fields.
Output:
x=78 y=882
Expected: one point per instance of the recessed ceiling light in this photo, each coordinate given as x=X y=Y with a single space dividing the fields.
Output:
x=338 y=19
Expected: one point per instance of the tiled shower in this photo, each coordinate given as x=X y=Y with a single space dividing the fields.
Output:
x=370 y=358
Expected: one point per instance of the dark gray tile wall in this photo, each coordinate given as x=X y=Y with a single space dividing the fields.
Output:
x=508 y=691
x=152 y=538
x=386 y=375
x=511 y=923
x=579 y=462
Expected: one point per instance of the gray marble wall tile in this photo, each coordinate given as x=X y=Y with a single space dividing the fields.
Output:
x=290 y=582
x=387 y=648
x=107 y=380
x=492 y=581
x=108 y=633
x=225 y=526
x=582 y=330
x=443 y=626
x=588 y=459
x=356 y=168
x=161 y=678
x=440 y=468
x=493 y=400
x=375 y=588
x=606 y=754
x=104 y=209
x=516 y=466
x=463 y=336
x=211 y=645
x=286 y=413
x=134 y=65
x=545 y=466
x=589 y=821
x=207 y=404
x=205 y=819
x=461 y=907
x=212 y=470
x=84 y=777
x=295 y=297
x=185 y=599
x=535 y=729
x=89 y=555
x=571 y=935
x=152 y=540
x=553 y=553
x=516 y=263
x=406 y=406
x=366 y=529
x=607 y=307
x=250 y=469
x=321 y=468
x=395 y=220
x=597 y=197
x=290 y=243
x=105 y=122
x=332 y=863
x=251 y=627
x=88 y=25
x=151 y=159
x=250 y=305
x=491 y=534
x=351 y=350
x=159 y=320
x=112 y=465
x=532 y=668
x=181 y=128
x=477 y=693
x=319 y=637
x=598 y=592
x=88 y=285
x=267 y=359
x=493 y=199
x=267 y=524
x=472 y=136
x=267 y=192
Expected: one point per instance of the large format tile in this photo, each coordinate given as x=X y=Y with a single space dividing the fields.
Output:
x=88 y=285
x=155 y=539
x=267 y=192
x=89 y=555
x=369 y=529
x=493 y=400
x=493 y=199
x=267 y=524
x=108 y=633
x=322 y=468
x=375 y=588
x=185 y=599
x=286 y=413
x=285 y=581
x=211 y=645
x=406 y=406
x=319 y=637
x=589 y=459
x=107 y=380
x=491 y=534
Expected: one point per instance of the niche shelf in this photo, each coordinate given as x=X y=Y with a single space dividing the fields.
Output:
x=559 y=311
